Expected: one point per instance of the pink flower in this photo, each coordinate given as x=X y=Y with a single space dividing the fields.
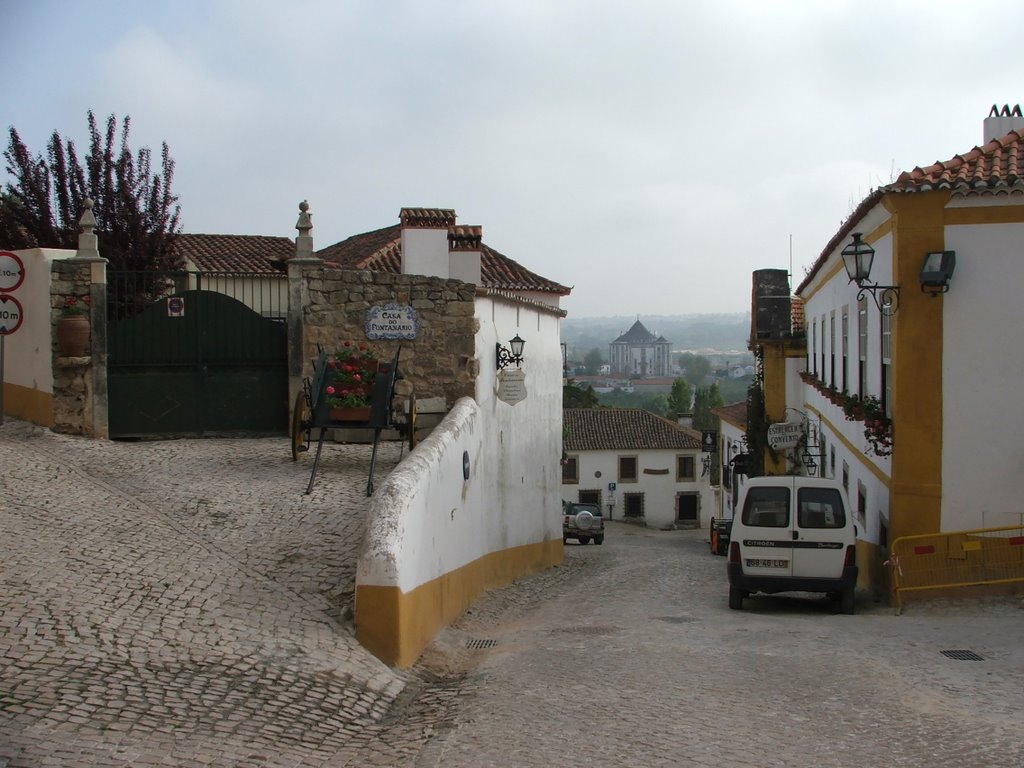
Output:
x=329 y=390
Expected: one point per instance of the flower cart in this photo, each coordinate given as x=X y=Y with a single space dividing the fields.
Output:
x=352 y=391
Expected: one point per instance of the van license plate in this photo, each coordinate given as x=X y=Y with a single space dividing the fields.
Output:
x=755 y=562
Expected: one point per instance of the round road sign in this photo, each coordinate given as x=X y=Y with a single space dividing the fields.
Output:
x=10 y=315
x=12 y=271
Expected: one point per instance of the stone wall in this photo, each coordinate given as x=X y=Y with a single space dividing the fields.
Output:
x=79 y=381
x=333 y=305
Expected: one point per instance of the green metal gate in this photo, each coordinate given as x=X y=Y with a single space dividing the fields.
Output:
x=195 y=361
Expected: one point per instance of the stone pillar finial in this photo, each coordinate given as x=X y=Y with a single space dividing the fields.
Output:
x=304 y=241
x=88 y=247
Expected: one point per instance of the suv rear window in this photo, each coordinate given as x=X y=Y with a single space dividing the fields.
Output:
x=820 y=508
x=766 y=507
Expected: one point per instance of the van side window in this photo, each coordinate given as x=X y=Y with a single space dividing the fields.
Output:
x=820 y=508
x=766 y=507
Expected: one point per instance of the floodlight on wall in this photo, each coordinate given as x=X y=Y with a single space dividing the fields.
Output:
x=514 y=354
x=858 y=257
x=936 y=271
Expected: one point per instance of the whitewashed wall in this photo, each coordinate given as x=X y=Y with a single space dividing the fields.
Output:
x=425 y=519
x=983 y=373
x=599 y=468
x=27 y=351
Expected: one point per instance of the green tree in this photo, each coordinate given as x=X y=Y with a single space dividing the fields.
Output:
x=574 y=396
x=136 y=213
x=704 y=399
x=679 y=399
x=695 y=368
x=593 y=361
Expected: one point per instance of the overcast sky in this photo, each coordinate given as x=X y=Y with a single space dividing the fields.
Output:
x=650 y=154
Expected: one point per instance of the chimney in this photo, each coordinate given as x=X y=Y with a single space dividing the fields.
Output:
x=425 y=241
x=1001 y=121
x=771 y=310
x=464 y=244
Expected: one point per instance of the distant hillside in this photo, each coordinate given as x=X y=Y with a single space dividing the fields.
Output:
x=725 y=333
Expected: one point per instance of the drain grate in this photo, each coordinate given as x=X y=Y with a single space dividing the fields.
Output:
x=476 y=643
x=962 y=655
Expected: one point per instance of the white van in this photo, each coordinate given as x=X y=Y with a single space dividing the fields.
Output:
x=793 y=534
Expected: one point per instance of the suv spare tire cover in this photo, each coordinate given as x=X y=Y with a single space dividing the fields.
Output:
x=584 y=520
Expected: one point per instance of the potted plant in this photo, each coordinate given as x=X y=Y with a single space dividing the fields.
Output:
x=351 y=376
x=72 y=331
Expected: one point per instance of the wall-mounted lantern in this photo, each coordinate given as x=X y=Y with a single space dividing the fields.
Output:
x=936 y=271
x=505 y=357
x=858 y=257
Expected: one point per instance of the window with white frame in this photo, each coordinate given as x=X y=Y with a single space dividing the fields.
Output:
x=862 y=347
x=822 y=347
x=813 y=363
x=571 y=469
x=627 y=469
x=832 y=348
x=886 y=388
x=846 y=347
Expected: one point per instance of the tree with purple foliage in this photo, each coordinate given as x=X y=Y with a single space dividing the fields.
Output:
x=136 y=213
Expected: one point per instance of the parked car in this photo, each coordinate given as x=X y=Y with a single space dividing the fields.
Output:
x=582 y=522
x=793 y=534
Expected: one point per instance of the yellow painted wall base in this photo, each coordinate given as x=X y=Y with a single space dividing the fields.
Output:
x=28 y=404
x=396 y=627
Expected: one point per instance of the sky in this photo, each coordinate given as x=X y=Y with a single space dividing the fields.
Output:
x=650 y=154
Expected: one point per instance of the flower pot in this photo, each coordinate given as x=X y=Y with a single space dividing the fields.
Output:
x=73 y=335
x=360 y=413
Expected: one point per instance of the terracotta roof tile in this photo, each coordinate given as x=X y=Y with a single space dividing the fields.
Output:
x=996 y=165
x=733 y=413
x=381 y=251
x=992 y=168
x=626 y=429
x=234 y=253
x=796 y=315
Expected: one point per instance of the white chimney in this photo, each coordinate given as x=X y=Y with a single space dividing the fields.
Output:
x=425 y=241
x=464 y=246
x=1001 y=121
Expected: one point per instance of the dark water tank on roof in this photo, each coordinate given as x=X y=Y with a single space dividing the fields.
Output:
x=770 y=311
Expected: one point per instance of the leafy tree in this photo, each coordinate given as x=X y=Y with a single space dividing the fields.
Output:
x=593 y=361
x=679 y=399
x=704 y=399
x=136 y=213
x=574 y=396
x=695 y=368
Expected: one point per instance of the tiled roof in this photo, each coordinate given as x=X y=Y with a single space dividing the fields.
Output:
x=624 y=429
x=992 y=168
x=796 y=315
x=381 y=251
x=637 y=334
x=733 y=413
x=999 y=164
x=234 y=253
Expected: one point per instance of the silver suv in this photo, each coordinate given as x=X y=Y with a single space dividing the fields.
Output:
x=582 y=522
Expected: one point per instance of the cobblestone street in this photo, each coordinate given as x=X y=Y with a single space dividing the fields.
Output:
x=184 y=603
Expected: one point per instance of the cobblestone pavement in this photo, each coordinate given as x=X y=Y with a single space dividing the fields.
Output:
x=182 y=603
x=631 y=656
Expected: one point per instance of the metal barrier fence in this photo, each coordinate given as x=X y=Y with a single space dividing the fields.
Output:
x=981 y=557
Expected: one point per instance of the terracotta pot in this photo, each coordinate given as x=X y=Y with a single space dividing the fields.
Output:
x=359 y=413
x=73 y=335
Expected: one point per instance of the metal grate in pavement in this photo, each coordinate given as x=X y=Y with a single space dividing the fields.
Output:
x=963 y=655
x=477 y=643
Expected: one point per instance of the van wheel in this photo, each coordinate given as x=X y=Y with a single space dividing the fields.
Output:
x=847 y=604
x=599 y=539
x=735 y=599
x=583 y=539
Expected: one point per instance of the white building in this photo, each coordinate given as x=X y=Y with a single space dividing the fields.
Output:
x=639 y=353
x=636 y=466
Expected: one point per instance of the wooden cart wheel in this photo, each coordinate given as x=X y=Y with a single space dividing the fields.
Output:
x=410 y=422
x=300 y=426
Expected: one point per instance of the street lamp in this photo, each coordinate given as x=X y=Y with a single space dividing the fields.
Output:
x=858 y=258
x=505 y=357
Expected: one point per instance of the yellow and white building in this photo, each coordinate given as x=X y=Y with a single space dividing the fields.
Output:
x=939 y=352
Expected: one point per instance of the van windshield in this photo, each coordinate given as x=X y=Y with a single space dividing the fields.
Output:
x=820 y=508
x=767 y=507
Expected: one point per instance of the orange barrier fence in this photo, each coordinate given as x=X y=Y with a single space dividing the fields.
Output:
x=957 y=559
